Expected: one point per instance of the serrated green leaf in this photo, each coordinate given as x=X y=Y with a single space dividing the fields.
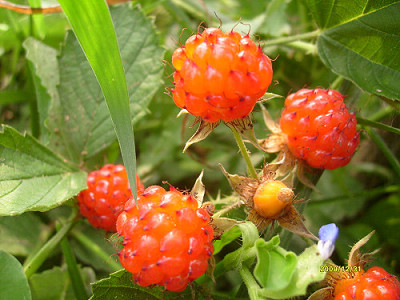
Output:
x=44 y=68
x=13 y=282
x=330 y=13
x=32 y=178
x=370 y=60
x=82 y=119
x=120 y=286
x=54 y=284
x=20 y=234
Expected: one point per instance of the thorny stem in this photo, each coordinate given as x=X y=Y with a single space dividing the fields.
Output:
x=293 y=38
x=250 y=168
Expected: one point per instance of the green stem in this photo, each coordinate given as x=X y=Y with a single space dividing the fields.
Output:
x=31 y=266
x=293 y=38
x=337 y=83
x=384 y=149
x=377 y=125
x=96 y=250
x=226 y=209
x=250 y=283
x=306 y=47
x=73 y=269
x=382 y=114
x=250 y=168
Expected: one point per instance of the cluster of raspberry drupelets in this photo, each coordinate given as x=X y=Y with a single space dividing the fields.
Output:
x=220 y=76
x=374 y=284
x=319 y=128
x=106 y=195
x=167 y=238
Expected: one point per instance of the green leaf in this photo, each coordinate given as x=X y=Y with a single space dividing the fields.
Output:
x=120 y=286
x=32 y=177
x=20 y=234
x=44 y=68
x=54 y=284
x=92 y=25
x=371 y=60
x=228 y=237
x=270 y=258
x=88 y=241
x=13 y=282
x=276 y=20
x=295 y=273
x=330 y=13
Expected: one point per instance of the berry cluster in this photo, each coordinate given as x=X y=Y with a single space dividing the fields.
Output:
x=220 y=76
x=374 y=284
x=104 y=199
x=167 y=238
x=319 y=128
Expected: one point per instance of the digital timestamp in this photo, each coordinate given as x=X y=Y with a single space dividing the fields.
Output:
x=349 y=269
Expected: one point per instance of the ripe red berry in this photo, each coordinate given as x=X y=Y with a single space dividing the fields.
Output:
x=220 y=76
x=319 y=128
x=104 y=199
x=167 y=238
x=375 y=284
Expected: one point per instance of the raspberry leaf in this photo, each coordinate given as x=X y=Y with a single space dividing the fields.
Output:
x=80 y=124
x=371 y=61
x=32 y=177
x=13 y=282
x=119 y=286
x=43 y=65
x=55 y=283
x=20 y=234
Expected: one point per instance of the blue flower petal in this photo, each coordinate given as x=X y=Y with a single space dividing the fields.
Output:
x=329 y=232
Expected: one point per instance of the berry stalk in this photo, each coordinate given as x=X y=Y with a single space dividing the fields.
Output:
x=250 y=168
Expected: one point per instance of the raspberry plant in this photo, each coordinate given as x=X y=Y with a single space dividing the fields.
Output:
x=73 y=84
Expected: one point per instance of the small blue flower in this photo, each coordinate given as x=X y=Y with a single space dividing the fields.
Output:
x=327 y=238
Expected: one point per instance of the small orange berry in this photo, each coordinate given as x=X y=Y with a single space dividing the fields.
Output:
x=271 y=197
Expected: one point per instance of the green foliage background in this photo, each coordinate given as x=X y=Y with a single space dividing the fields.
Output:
x=57 y=126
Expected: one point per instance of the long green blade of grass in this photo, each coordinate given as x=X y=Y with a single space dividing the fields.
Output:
x=93 y=27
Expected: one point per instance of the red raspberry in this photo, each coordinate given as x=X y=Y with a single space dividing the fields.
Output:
x=375 y=284
x=319 y=128
x=167 y=238
x=220 y=76
x=104 y=199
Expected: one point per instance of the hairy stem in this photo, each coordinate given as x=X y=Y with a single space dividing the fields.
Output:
x=293 y=38
x=250 y=168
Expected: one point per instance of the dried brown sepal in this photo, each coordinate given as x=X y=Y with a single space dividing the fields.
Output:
x=244 y=186
x=322 y=294
x=355 y=256
x=292 y=220
x=222 y=224
x=198 y=191
x=269 y=122
x=246 y=129
x=260 y=222
x=301 y=171
x=204 y=130
x=211 y=268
